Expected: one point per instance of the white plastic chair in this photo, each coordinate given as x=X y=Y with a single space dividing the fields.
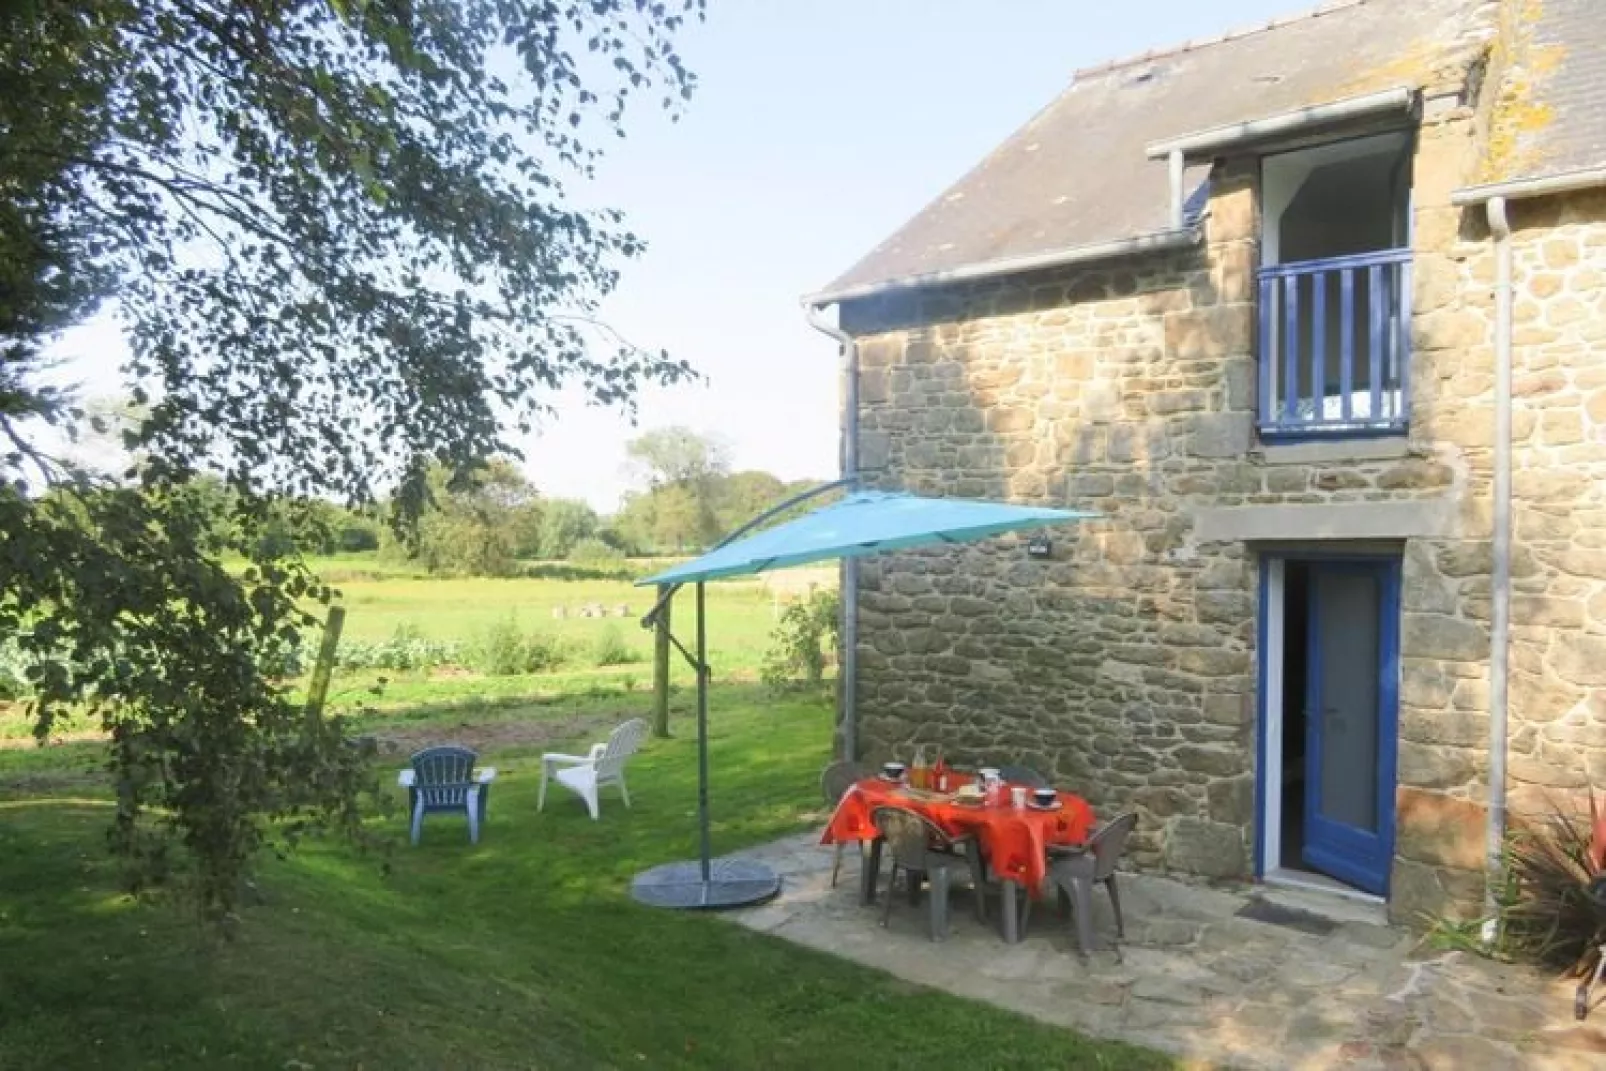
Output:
x=584 y=775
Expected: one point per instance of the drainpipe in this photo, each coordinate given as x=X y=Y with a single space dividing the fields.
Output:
x=1175 y=170
x=1500 y=581
x=849 y=627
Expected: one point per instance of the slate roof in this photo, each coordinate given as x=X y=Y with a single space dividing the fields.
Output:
x=1552 y=114
x=1077 y=173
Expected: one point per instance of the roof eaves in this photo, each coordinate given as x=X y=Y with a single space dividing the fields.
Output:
x=1136 y=245
x=1283 y=124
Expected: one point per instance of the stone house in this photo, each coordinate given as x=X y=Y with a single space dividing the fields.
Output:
x=1312 y=314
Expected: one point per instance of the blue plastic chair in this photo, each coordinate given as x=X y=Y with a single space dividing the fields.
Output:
x=443 y=779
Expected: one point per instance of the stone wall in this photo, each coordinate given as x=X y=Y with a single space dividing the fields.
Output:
x=1126 y=663
x=1558 y=658
x=1557 y=727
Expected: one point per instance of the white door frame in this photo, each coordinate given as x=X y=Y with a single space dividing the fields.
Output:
x=1271 y=753
x=1270 y=774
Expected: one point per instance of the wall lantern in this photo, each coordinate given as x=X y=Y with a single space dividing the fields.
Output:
x=1040 y=546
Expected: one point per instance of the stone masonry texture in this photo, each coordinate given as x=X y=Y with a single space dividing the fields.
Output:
x=1126 y=663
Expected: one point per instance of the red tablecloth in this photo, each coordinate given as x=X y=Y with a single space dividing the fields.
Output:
x=1014 y=841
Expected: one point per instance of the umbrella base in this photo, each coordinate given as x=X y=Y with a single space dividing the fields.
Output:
x=731 y=883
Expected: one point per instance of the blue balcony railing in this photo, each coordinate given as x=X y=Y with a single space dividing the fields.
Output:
x=1335 y=345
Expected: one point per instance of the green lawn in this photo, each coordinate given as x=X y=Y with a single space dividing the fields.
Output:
x=522 y=952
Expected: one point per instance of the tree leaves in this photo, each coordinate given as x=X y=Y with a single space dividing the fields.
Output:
x=338 y=237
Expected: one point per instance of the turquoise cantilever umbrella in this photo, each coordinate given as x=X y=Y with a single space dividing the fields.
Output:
x=864 y=522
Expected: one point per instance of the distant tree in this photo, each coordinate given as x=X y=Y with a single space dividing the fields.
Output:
x=677 y=455
x=741 y=496
x=357 y=535
x=471 y=525
x=564 y=523
x=526 y=528
x=682 y=471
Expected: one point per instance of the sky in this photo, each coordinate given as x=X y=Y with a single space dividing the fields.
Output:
x=818 y=128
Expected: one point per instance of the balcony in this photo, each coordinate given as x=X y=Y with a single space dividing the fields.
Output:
x=1335 y=346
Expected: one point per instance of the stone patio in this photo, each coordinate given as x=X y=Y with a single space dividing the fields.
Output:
x=1327 y=985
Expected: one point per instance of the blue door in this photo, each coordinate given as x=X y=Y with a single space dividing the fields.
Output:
x=1351 y=711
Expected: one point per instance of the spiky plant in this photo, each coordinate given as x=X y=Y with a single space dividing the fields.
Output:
x=1558 y=869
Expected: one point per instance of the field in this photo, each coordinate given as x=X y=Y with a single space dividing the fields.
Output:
x=741 y=613
x=523 y=951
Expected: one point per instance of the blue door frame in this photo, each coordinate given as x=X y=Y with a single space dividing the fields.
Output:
x=1358 y=857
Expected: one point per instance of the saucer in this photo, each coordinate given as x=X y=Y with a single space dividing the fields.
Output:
x=1034 y=805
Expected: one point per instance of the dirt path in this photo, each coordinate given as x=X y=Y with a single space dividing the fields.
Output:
x=490 y=735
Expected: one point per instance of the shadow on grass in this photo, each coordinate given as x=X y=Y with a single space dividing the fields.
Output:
x=524 y=950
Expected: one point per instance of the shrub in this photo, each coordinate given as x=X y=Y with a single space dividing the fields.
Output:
x=611 y=648
x=503 y=650
x=354 y=538
x=592 y=550
x=618 y=570
x=1555 y=905
x=406 y=649
x=800 y=643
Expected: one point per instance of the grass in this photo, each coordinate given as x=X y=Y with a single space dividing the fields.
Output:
x=740 y=613
x=381 y=596
x=524 y=951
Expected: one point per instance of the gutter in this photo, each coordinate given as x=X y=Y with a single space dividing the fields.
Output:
x=1150 y=242
x=1217 y=139
x=1564 y=182
x=1494 y=197
x=848 y=628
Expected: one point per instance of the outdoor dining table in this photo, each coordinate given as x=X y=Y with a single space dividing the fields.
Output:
x=1013 y=840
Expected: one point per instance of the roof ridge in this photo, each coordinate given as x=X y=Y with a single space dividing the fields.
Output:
x=1331 y=7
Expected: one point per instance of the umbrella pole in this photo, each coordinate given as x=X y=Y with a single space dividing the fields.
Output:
x=703 y=884
x=702 y=729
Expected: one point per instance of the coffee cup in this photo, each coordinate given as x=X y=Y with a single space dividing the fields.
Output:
x=989 y=775
x=893 y=771
x=1017 y=796
x=1045 y=797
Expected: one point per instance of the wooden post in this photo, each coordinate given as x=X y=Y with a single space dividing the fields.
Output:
x=660 y=667
x=318 y=688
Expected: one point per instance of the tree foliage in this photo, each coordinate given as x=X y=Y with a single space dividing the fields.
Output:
x=472 y=524
x=339 y=239
x=681 y=470
x=565 y=523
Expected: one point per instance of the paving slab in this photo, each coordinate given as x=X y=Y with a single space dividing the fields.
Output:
x=1195 y=978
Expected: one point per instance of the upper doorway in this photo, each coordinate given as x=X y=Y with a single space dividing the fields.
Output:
x=1330 y=710
x=1334 y=288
